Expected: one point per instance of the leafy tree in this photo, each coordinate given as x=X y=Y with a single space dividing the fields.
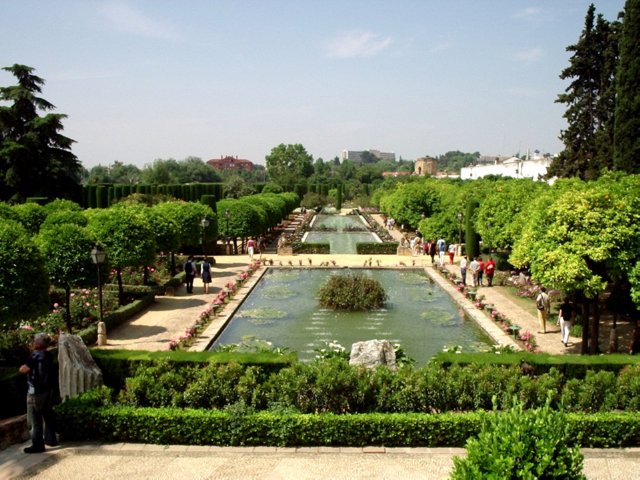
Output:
x=410 y=202
x=237 y=187
x=67 y=253
x=286 y=164
x=24 y=286
x=584 y=240
x=589 y=99
x=627 y=109
x=35 y=158
x=193 y=169
x=31 y=216
x=272 y=187
x=126 y=235
x=242 y=221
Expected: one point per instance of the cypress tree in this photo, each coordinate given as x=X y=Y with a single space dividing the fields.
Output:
x=627 y=110
x=589 y=98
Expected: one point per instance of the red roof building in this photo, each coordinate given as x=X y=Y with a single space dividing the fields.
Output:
x=231 y=163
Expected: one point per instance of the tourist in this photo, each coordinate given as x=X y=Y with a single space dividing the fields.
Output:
x=426 y=245
x=543 y=307
x=480 y=270
x=473 y=266
x=490 y=270
x=206 y=274
x=463 y=269
x=190 y=272
x=41 y=383
x=452 y=252
x=251 y=246
x=432 y=251
x=260 y=244
x=566 y=316
x=442 y=248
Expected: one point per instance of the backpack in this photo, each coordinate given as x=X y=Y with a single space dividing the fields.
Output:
x=188 y=268
x=540 y=302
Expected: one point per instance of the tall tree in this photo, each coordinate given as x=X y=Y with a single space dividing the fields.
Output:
x=288 y=164
x=627 y=121
x=35 y=158
x=589 y=99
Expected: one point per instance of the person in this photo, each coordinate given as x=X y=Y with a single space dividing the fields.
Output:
x=206 y=274
x=251 y=246
x=452 y=252
x=426 y=245
x=480 y=271
x=432 y=251
x=565 y=317
x=260 y=244
x=490 y=270
x=463 y=269
x=442 y=248
x=473 y=266
x=189 y=273
x=41 y=383
x=543 y=306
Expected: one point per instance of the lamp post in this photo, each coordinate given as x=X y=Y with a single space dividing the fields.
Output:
x=460 y=217
x=227 y=216
x=98 y=256
x=205 y=224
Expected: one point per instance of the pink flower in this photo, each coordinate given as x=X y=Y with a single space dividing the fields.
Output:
x=56 y=305
x=26 y=327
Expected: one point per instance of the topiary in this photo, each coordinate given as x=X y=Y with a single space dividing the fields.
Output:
x=520 y=443
x=352 y=292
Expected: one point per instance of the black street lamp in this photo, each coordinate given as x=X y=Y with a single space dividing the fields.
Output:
x=460 y=217
x=98 y=257
x=227 y=216
x=205 y=224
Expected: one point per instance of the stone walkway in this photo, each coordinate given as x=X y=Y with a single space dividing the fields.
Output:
x=129 y=461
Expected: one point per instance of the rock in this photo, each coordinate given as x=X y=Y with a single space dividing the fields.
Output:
x=78 y=371
x=372 y=353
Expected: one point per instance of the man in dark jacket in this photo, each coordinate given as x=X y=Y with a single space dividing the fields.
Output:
x=41 y=382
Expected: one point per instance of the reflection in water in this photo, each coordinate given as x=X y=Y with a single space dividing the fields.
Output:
x=418 y=315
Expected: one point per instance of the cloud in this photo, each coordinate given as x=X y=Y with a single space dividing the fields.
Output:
x=527 y=13
x=357 y=44
x=530 y=55
x=126 y=18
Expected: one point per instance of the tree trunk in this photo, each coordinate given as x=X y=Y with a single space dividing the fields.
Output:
x=173 y=264
x=145 y=275
x=594 y=347
x=120 y=287
x=584 y=349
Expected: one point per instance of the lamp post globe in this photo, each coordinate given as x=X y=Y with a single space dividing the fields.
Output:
x=205 y=224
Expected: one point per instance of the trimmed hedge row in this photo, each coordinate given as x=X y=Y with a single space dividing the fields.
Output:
x=310 y=248
x=82 y=418
x=117 y=365
x=90 y=334
x=570 y=366
x=375 y=248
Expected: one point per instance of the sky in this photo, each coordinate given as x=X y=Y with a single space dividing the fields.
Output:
x=149 y=79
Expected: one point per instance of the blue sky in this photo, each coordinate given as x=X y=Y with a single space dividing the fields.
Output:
x=141 y=80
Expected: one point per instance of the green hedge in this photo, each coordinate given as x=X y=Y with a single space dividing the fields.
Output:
x=116 y=318
x=83 y=418
x=116 y=365
x=376 y=248
x=570 y=366
x=310 y=248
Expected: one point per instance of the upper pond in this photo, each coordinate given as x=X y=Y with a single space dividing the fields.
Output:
x=340 y=239
x=420 y=316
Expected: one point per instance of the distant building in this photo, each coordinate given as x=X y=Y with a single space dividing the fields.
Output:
x=357 y=155
x=514 y=167
x=231 y=163
x=396 y=174
x=426 y=166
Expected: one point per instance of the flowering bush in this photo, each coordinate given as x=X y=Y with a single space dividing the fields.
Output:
x=331 y=350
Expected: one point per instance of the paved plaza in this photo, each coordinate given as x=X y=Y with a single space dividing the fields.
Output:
x=168 y=318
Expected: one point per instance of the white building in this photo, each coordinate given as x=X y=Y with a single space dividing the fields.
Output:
x=514 y=167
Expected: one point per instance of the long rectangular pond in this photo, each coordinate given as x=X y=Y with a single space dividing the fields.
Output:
x=340 y=239
x=419 y=315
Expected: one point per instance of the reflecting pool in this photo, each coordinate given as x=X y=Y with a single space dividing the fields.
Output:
x=340 y=239
x=419 y=315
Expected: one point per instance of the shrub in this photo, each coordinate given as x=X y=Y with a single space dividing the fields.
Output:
x=375 y=248
x=523 y=444
x=352 y=292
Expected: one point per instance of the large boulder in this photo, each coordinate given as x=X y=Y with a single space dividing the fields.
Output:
x=372 y=353
x=78 y=371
